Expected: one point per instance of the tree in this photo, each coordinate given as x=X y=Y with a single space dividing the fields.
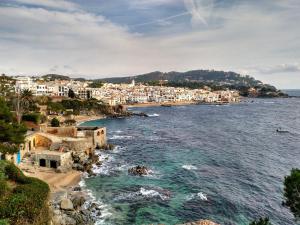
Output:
x=12 y=134
x=261 y=221
x=71 y=94
x=24 y=102
x=55 y=122
x=96 y=84
x=292 y=192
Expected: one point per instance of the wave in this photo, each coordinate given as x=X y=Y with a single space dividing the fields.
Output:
x=153 y=115
x=189 y=167
x=144 y=193
x=120 y=137
x=200 y=195
x=105 y=210
x=117 y=131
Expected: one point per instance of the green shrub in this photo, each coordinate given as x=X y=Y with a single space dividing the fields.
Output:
x=28 y=200
x=14 y=173
x=55 y=122
x=3 y=188
x=4 y=222
x=291 y=192
x=32 y=117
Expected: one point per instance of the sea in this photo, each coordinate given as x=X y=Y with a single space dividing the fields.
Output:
x=225 y=163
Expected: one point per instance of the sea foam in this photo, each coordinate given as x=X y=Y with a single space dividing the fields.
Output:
x=189 y=167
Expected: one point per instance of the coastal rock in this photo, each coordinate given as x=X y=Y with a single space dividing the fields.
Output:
x=58 y=220
x=108 y=147
x=139 y=170
x=201 y=222
x=66 y=204
x=77 y=188
x=70 y=221
x=78 y=166
x=78 y=201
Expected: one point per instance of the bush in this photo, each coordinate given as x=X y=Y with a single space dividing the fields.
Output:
x=32 y=117
x=3 y=188
x=55 y=122
x=14 y=173
x=4 y=222
x=70 y=122
x=291 y=192
x=27 y=202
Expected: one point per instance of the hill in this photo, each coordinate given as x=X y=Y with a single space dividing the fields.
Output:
x=215 y=80
x=200 y=76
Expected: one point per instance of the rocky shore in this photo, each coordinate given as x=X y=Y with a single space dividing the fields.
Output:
x=73 y=207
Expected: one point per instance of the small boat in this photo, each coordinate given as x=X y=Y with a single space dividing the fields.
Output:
x=281 y=131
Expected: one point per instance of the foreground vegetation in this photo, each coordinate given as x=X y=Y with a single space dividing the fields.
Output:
x=23 y=200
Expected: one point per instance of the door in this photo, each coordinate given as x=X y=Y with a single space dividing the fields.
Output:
x=43 y=162
x=19 y=157
x=53 y=164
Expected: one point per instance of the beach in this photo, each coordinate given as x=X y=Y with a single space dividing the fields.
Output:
x=82 y=118
x=57 y=181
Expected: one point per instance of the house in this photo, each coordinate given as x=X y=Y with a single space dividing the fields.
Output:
x=53 y=146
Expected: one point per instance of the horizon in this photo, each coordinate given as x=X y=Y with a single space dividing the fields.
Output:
x=126 y=38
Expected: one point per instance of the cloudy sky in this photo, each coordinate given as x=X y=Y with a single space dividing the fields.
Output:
x=103 y=38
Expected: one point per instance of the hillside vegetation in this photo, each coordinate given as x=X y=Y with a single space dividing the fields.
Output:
x=216 y=80
x=23 y=200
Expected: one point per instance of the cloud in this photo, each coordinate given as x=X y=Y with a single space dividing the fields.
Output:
x=281 y=68
x=200 y=10
x=38 y=40
x=56 y=4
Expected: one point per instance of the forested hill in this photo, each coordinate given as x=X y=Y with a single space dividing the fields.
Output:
x=200 y=76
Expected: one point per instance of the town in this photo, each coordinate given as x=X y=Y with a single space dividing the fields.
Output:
x=116 y=94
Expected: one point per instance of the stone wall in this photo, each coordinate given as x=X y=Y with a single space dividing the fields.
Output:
x=63 y=159
x=62 y=131
x=79 y=146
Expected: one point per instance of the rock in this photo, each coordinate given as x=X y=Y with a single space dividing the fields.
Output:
x=70 y=221
x=58 y=220
x=77 y=166
x=61 y=169
x=108 y=147
x=66 y=204
x=139 y=170
x=78 y=201
x=99 y=163
x=77 y=188
x=201 y=222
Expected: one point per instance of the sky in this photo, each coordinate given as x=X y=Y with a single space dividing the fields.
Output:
x=106 y=38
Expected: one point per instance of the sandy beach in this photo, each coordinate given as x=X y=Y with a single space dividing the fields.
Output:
x=57 y=181
x=81 y=119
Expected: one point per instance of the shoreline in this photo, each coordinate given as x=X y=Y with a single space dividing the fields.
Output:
x=82 y=119
x=155 y=104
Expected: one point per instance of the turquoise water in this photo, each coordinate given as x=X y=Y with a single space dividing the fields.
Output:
x=224 y=163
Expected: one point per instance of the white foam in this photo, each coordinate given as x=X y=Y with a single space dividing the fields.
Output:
x=153 y=115
x=198 y=195
x=142 y=193
x=189 y=167
x=202 y=196
x=120 y=137
x=118 y=131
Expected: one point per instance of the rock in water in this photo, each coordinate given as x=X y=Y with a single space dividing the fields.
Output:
x=139 y=170
x=66 y=204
